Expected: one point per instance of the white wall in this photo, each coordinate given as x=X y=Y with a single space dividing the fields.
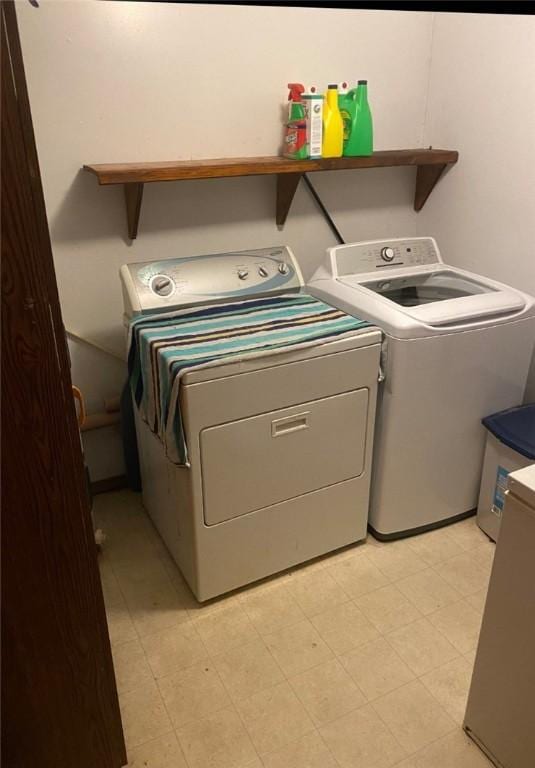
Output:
x=100 y=377
x=113 y=82
x=127 y=81
x=482 y=102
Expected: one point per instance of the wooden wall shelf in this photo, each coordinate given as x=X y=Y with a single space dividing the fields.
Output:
x=430 y=164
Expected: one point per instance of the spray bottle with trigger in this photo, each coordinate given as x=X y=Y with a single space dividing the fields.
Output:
x=295 y=133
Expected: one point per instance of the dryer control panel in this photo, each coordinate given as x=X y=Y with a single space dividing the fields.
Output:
x=161 y=286
x=379 y=255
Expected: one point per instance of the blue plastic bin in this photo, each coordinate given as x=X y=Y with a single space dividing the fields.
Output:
x=510 y=446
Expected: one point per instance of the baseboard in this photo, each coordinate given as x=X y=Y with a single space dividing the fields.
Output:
x=109 y=484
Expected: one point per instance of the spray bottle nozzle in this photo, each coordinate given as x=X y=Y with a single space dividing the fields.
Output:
x=296 y=91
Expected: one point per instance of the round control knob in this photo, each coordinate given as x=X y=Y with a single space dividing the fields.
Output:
x=283 y=268
x=387 y=254
x=243 y=274
x=262 y=271
x=162 y=285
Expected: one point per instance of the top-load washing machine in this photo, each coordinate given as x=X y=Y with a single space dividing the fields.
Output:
x=457 y=348
x=255 y=410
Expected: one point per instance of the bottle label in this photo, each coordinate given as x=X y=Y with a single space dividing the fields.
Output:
x=346 y=118
x=295 y=142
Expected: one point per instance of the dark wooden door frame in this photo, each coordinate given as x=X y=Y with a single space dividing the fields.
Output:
x=59 y=699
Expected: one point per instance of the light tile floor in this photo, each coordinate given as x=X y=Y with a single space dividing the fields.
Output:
x=360 y=659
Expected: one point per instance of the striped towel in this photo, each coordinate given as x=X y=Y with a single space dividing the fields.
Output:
x=162 y=348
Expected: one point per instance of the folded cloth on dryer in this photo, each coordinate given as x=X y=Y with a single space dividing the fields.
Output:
x=162 y=348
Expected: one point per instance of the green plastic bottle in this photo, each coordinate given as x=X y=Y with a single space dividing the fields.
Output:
x=358 y=124
x=346 y=105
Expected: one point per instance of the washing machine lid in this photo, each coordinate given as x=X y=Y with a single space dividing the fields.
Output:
x=441 y=297
x=404 y=287
x=417 y=289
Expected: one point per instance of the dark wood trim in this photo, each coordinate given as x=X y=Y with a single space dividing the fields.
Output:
x=59 y=699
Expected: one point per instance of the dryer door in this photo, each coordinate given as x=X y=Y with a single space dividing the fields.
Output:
x=262 y=460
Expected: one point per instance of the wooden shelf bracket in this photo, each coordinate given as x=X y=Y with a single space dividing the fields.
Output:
x=426 y=178
x=133 y=195
x=287 y=184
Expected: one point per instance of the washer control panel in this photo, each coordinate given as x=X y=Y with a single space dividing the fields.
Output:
x=163 y=285
x=388 y=253
x=379 y=255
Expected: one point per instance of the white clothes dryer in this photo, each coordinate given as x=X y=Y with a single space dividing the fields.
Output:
x=457 y=348
x=277 y=401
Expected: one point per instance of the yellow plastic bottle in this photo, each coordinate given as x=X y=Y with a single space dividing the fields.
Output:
x=333 y=125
